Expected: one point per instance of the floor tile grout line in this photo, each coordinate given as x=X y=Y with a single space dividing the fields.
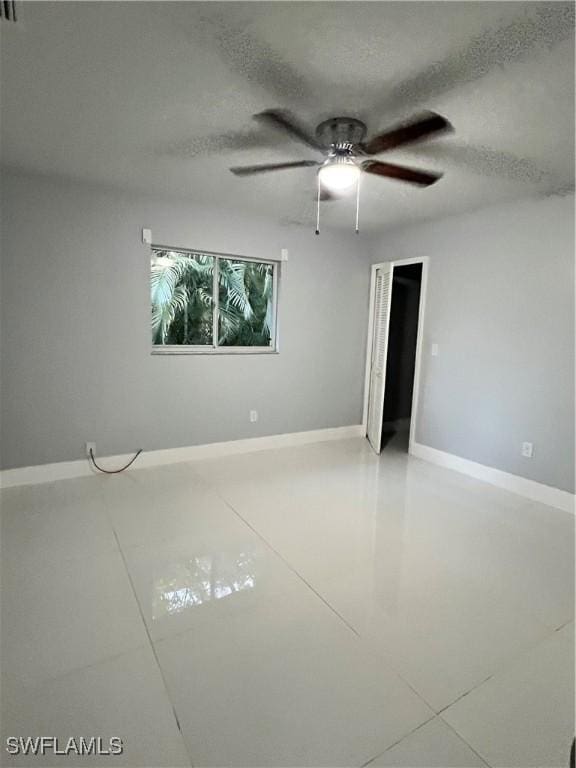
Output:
x=557 y=629
x=393 y=668
x=418 y=727
x=54 y=678
x=549 y=634
x=465 y=741
x=463 y=695
x=286 y=563
x=503 y=665
x=398 y=741
x=414 y=690
x=152 y=648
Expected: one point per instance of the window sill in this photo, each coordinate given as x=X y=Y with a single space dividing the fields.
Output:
x=174 y=350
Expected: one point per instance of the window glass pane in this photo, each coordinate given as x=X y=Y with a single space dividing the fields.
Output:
x=182 y=302
x=245 y=303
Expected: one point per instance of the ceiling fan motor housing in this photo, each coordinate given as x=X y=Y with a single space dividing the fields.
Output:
x=341 y=133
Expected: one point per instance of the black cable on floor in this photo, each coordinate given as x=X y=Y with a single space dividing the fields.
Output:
x=114 y=471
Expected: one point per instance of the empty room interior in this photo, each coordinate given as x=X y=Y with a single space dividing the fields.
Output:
x=287 y=400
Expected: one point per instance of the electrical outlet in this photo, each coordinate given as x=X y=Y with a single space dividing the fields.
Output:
x=90 y=447
x=253 y=415
x=528 y=450
x=434 y=350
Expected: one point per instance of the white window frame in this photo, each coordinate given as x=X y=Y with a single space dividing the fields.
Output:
x=214 y=349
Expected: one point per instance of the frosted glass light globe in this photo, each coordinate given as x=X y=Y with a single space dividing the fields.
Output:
x=339 y=175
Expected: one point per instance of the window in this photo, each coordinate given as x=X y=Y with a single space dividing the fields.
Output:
x=203 y=302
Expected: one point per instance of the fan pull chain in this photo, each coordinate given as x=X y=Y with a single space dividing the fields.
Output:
x=357 y=204
x=318 y=209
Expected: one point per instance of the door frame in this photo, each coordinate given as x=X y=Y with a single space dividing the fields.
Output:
x=419 y=345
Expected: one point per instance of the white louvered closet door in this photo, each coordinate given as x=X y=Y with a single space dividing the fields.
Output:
x=382 y=303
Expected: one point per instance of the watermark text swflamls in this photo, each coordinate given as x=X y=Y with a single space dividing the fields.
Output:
x=52 y=745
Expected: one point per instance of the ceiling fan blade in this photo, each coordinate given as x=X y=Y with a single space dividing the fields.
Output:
x=401 y=173
x=485 y=161
x=282 y=119
x=493 y=47
x=418 y=129
x=229 y=141
x=250 y=170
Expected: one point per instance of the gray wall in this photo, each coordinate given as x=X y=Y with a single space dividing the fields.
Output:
x=76 y=361
x=500 y=305
x=75 y=323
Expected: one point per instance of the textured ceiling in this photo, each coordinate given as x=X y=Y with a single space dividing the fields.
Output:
x=158 y=96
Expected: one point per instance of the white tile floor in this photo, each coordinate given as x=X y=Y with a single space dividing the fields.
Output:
x=314 y=606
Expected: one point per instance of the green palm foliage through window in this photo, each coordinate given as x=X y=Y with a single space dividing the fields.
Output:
x=183 y=301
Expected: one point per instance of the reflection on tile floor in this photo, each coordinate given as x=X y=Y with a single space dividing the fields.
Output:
x=310 y=606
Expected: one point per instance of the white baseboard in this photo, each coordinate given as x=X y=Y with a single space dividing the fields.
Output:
x=65 y=470
x=545 y=494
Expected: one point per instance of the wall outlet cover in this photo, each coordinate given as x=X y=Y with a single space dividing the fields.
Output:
x=528 y=450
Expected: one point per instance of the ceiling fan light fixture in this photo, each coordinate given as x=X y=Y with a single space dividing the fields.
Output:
x=339 y=173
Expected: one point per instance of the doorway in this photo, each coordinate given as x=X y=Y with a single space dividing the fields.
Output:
x=401 y=356
x=393 y=353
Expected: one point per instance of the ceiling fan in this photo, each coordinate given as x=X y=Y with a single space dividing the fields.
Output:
x=341 y=140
